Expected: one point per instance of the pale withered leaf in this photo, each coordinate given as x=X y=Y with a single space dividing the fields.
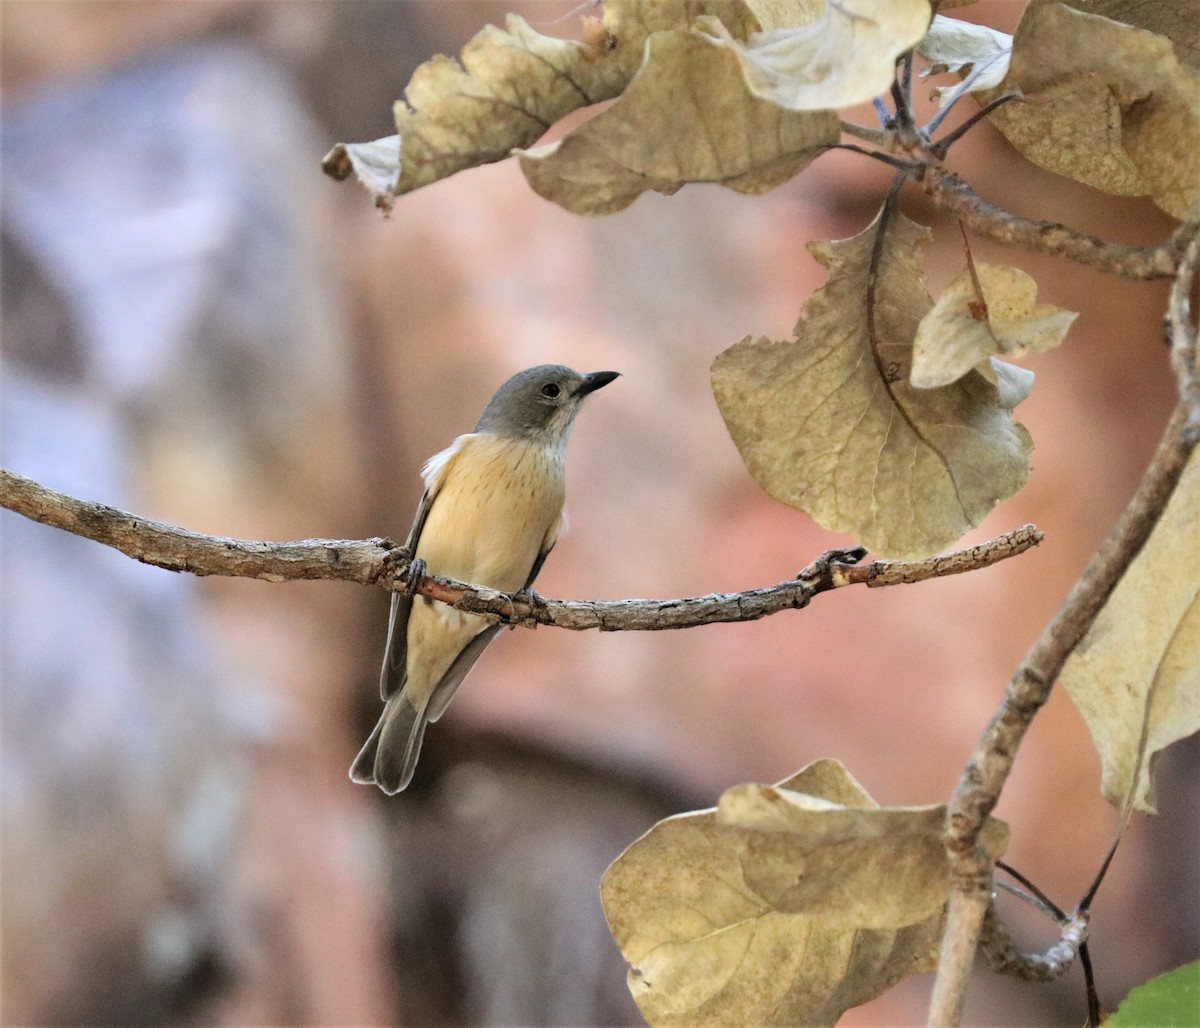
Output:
x=704 y=948
x=958 y=333
x=829 y=422
x=855 y=865
x=376 y=165
x=1179 y=22
x=1136 y=676
x=778 y=14
x=509 y=85
x=846 y=56
x=1106 y=104
x=979 y=53
x=685 y=117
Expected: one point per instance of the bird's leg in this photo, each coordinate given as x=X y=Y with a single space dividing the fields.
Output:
x=416 y=575
x=524 y=595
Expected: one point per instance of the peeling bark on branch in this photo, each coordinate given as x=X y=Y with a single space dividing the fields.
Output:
x=952 y=194
x=177 y=549
x=382 y=563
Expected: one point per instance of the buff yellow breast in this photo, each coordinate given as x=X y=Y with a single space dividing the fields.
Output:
x=498 y=505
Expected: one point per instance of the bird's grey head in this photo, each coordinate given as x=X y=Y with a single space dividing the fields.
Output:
x=540 y=403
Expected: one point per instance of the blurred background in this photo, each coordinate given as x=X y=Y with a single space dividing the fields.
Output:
x=200 y=327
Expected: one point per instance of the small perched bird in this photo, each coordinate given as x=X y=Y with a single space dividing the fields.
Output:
x=491 y=513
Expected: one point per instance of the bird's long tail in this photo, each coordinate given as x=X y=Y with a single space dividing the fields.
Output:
x=389 y=757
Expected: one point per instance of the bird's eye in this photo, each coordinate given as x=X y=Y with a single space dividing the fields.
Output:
x=551 y=390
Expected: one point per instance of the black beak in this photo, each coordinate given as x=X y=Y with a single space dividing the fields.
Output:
x=595 y=380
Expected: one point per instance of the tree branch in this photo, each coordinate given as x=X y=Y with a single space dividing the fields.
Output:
x=1180 y=329
x=984 y=776
x=177 y=549
x=381 y=562
x=1003 y=957
x=951 y=193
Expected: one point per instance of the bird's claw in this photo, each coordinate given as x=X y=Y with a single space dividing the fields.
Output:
x=416 y=575
x=526 y=596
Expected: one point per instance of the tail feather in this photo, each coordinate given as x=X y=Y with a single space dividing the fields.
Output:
x=389 y=757
x=362 y=770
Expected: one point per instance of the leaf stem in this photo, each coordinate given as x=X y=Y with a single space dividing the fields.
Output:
x=1045 y=900
x=940 y=148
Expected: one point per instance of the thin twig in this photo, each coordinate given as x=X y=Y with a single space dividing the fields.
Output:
x=1026 y=897
x=979 y=309
x=882 y=138
x=380 y=562
x=895 y=162
x=906 y=81
x=1057 y=912
x=1085 y=904
x=951 y=193
x=1003 y=957
x=1089 y=983
x=1180 y=329
x=984 y=776
x=942 y=146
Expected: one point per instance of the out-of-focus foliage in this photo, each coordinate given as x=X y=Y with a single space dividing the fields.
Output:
x=1169 y=1001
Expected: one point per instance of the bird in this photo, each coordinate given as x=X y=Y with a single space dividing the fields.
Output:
x=491 y=513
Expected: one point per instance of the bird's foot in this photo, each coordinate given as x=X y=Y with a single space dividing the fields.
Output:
x=524 y=596
x=416 y=575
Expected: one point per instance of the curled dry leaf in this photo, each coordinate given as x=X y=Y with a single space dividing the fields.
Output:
x=959 y=333
x=846 y=56
x=979 y=53
x=828 y=421
x=510 y=85
x=1135 y=677
x=1106 y=104
x=706 y=946
x=685 y=117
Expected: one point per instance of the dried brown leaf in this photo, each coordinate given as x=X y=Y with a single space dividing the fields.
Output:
x=1106 y=104
x=1135 y=677
x=854 y=865
x=1178 y=21
x=829 y=422
x=846 y=56
x=685 y=117
x=705 y=948
x=957 y=334
x=778 y=14
x=509 y=85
